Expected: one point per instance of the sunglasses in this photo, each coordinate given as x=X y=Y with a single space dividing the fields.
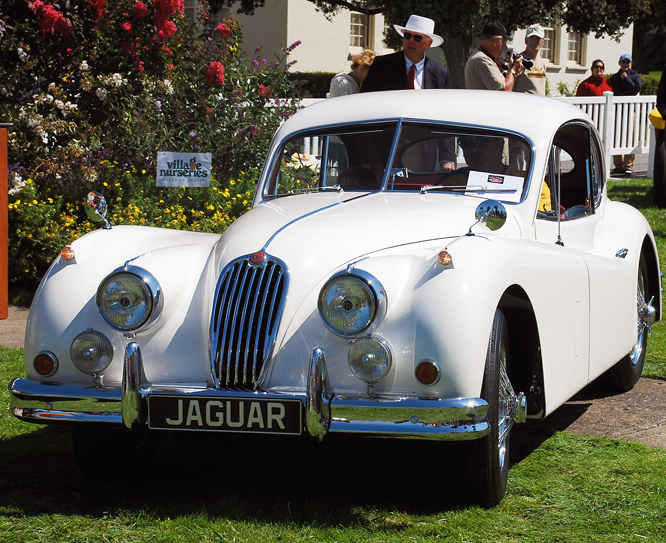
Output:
x=408 y=36
x=597 y=67
x=625 y=61
x=468 y=143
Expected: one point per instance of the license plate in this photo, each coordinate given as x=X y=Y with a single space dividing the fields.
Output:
x=255 y=415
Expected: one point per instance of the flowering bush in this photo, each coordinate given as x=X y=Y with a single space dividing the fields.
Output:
x=96 y=89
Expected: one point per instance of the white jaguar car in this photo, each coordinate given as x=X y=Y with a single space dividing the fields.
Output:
x=434 y=266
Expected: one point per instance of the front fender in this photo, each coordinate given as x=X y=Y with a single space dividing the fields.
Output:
x=64 y=305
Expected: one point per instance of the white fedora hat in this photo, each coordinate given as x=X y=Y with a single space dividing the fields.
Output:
x=421 y=25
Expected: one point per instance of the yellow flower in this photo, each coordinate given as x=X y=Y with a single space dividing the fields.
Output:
x=143 y=171
x=34 y=202
x=211 y=207
x=232 y=182
x=105 y=184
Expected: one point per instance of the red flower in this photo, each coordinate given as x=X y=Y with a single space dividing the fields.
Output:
x=97 y=7
x=264 y=91
x=215 y=74
x=139 y=11
x=52 y=21
x=126 y=26
x=167 y=30
x=223 y=30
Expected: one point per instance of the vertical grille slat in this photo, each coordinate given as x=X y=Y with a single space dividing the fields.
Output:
x=246 y=314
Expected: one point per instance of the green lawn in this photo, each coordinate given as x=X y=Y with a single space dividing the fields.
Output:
x=562 y=488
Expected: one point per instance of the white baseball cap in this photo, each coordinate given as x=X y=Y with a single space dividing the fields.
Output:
x=535 y=30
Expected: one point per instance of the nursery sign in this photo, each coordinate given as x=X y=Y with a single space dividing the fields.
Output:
x=183 y=169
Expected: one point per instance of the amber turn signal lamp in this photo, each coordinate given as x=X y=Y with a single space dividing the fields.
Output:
x=67 y=253
x=427 y=372
x=45 y=363
x=444 y=258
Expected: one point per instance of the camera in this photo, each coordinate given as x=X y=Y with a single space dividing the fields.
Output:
x=527 y=63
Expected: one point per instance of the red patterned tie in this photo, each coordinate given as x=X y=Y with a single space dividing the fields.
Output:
x=410 y=76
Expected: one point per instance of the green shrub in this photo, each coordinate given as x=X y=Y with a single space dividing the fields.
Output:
x=312 y=84
x=649 y=84
x=95 y=89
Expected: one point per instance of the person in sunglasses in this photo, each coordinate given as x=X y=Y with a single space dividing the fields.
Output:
x=596 y=84
x=485 y=69
x=625 y=82
x=392 y=71
x=412 y=69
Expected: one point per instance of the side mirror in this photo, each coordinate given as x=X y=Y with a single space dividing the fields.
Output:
x=96 y=209
x=491 y=214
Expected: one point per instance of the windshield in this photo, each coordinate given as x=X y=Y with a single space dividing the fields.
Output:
x=425 y=157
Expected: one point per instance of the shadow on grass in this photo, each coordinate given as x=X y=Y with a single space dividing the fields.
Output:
x=256 y=478
x=638 y=194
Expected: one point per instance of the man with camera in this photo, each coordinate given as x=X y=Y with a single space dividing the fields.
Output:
x=533 y=79
x=485 y=69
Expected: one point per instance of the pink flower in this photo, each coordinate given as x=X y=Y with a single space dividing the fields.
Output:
x=126 y=26
x=223 y=30
x=215 y=74
x=139 y=11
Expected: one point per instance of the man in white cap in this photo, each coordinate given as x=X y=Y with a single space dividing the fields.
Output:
x=411 y=69
x=533 y=79
x=392 y=72
x=485 y=69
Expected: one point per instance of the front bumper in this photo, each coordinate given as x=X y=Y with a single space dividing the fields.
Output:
x=407 y=417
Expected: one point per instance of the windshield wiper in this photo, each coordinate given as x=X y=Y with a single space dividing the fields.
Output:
x=465 y=188
x=291 y=192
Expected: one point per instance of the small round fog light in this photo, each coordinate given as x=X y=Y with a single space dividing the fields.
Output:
x=91 y=352
x=45 y=363
x=67 y=253
x=427 y=372
x=369 y=359
x=444 y=258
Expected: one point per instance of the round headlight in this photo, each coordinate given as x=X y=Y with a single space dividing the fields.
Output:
x=347 y=305
x=91 y=352
x=128 y=300
x=369 y=359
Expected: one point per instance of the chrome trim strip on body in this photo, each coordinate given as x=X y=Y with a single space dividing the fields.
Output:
x=382 y=415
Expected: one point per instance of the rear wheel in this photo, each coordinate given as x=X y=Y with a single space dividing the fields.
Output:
x=490 y=458
x=626 y=373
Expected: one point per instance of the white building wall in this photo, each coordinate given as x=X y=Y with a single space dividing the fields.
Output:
x=324 y=44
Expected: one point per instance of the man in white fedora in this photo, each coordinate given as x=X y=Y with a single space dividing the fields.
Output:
x=411 y=69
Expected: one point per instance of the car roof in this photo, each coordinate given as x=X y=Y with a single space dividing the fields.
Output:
x=530 y=115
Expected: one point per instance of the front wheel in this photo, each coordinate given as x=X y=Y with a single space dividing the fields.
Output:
x=490 y=457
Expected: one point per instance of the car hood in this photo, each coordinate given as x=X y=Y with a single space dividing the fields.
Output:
x=319 y=233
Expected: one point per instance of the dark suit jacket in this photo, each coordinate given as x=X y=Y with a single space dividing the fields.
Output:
x=389 y=72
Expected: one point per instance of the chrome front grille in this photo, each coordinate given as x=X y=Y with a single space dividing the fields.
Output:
x=246 y=314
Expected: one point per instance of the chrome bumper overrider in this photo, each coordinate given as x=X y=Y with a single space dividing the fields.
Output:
x=408 y=417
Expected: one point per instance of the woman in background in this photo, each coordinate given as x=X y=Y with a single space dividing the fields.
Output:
x=350 y=83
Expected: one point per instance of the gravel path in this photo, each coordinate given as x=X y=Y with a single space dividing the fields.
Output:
x=638 y=416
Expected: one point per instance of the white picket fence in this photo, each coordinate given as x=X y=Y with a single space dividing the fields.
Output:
x=622 y=122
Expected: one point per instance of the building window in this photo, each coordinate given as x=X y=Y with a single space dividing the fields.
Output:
x=576 y=48
x=550 y=49
x=359 y=31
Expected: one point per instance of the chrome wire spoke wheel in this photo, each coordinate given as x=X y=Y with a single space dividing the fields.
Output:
x=507 y=410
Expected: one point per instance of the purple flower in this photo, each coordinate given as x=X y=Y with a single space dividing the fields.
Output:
x=193 y=134
x=255 y=63
x=263 y=61
x=158 y=103
x=292 y=46
x=257 y=49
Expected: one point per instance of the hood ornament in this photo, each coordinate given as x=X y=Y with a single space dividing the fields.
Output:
x=257 y=259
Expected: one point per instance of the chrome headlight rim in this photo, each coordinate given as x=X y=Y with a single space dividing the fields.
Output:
x=375 y=288
x=153 y=288
x=385 y=347
x=75 y=352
